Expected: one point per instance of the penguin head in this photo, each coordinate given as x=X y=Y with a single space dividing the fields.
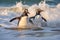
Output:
x=25 y=13
x=38 y=11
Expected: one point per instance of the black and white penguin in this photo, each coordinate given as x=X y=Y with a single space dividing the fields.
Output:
x=23 y=21
x=38 y=13
x=25 y=13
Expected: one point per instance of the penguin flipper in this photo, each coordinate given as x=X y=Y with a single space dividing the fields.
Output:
x=14 y=19
x=44 y=19
x=31 y=21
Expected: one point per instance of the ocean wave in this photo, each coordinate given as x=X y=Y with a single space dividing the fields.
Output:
x=52 y=15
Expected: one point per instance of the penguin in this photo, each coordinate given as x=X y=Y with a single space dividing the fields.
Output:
x=38 y=13
x=22 y=20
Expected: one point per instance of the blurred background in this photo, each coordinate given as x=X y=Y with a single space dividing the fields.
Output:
x=29 y=2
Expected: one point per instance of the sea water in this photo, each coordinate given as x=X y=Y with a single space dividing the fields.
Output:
x=11 y=9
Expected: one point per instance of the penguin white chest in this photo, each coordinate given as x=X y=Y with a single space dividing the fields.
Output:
x=38 y=20
x=23 y=22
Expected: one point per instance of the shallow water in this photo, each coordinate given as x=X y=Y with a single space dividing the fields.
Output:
x=28 y=34
x=50 y=32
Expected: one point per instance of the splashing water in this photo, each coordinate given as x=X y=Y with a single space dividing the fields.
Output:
x=52 y=15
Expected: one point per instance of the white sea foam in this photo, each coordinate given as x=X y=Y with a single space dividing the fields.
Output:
x=52 y=15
